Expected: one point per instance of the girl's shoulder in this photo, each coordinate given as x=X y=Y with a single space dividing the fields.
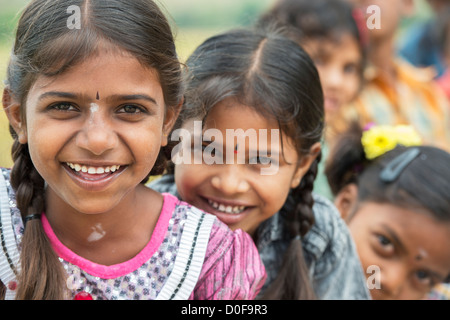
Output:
x=231 y=268
x=331 y=254
x=329 y=229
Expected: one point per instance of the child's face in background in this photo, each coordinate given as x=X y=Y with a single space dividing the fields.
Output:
x=339 y=63
x=238 y=194
x=104 y=113
x=410 y=249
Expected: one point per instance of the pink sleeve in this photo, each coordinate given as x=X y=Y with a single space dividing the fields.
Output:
x=232 y=269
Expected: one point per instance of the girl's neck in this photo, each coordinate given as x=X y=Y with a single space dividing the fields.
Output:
x=382 y=56
x=111 y=237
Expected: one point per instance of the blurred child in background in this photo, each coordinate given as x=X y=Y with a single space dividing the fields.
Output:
x=444 y=36
x=421 y=44
x=395 y=92
x=332 y=33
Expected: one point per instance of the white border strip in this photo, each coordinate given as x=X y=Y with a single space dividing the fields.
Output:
x=6 y=273
x=191 y=254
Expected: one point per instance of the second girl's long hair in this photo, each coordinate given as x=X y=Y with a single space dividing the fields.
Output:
x=46 y=46
x=272 y=74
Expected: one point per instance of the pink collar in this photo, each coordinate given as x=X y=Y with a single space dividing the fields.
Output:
x=124 y=268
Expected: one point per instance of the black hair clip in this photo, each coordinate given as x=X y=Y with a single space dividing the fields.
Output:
x=394 y=168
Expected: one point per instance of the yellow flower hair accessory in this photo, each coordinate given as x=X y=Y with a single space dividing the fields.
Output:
x=377 y=140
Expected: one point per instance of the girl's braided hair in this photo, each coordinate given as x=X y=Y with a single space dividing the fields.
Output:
x=45 y=46
x=263 y=69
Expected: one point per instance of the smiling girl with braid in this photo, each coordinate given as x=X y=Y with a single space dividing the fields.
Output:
x=89 y=110
x=259 y=81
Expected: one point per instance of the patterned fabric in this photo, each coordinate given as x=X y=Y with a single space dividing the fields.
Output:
x=440 y=292
x=334 y=266
x=415 y=99
x=191 y=255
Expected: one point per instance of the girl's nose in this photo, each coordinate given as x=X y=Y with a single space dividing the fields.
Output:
x=393 y=280
x=97 y=134
x=333 y=78
x=230 y=179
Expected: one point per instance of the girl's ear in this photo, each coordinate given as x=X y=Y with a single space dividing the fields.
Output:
x=13 y=112
x=345 y=200
x=305 y=164
x=169 y=121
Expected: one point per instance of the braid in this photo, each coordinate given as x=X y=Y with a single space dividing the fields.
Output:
x=41 y=276
x=292 y=281
x=302 y=195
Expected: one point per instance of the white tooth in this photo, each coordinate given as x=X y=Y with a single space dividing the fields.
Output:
x=100 y=170
x=92 y=170
x=84 y=169
x=77 y=167
x=236 y=209
x=215 y=205
x=229 y=209
x=107 y=169
x=221 y=207
x=113 y=168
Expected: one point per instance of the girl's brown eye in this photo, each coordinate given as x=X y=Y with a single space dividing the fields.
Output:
x=383 y=240
x=63 y=106
x=131 y=109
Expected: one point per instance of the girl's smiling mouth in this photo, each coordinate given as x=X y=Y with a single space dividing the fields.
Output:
x=93 y=177
x=229 y=212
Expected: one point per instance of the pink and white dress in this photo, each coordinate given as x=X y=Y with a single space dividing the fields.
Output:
x=191 y=255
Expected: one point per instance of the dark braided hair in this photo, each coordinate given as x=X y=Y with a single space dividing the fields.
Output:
x=45 y=46
x=266 y=71
x=299 y=218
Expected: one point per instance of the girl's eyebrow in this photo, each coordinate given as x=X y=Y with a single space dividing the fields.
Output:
x=117 y=97
x=57 y=94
